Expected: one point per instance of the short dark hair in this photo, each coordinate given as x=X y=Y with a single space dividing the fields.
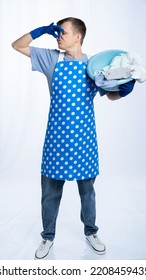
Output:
x=78 y=25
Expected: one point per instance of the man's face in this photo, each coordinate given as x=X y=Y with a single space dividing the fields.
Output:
x=68 y=38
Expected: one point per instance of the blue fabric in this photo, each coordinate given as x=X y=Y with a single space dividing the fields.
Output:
x=102 y=91
x=51 y=29
x=100 y=81
x=44 y=61
x=51 y=196
x=126 y=88
x=70 y=150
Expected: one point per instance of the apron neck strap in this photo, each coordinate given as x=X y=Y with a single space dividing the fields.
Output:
x=61 y=56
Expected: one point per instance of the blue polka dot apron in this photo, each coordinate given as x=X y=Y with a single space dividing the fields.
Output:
x=70 y=149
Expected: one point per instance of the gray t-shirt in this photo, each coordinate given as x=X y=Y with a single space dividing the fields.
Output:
x=44 y=61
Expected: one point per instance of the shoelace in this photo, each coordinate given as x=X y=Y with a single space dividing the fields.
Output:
x=42 y=245
x=97 y=238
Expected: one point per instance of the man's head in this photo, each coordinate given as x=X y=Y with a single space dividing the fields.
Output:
x=73 y=26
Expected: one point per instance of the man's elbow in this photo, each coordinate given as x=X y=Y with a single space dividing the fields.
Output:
x=113 y=96
x=14 y=46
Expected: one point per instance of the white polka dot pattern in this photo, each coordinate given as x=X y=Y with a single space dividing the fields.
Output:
x=70 y=150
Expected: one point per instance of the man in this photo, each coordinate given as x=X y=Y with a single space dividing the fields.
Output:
x=70 y=149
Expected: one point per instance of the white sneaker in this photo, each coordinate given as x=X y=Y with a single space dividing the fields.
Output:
x=95 y=243
x=43 y=249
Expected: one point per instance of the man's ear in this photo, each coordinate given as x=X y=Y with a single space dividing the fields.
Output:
x=78 y=36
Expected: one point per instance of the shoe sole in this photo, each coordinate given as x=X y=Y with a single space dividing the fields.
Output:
x=36 y=258
x=94 y=250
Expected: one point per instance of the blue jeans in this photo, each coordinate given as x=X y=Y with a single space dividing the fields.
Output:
x=51 y=196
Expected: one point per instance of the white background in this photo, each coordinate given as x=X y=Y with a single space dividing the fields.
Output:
x=121 y=129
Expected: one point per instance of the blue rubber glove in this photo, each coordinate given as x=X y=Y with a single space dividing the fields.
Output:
x=54 y=30
x=126 y=88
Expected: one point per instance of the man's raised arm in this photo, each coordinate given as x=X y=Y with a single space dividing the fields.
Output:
x=22 y=44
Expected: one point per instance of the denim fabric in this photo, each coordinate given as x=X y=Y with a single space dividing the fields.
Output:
x=88 y=205
x=51 y=196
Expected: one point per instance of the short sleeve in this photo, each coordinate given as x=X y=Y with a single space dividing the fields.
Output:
x=42 y=59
